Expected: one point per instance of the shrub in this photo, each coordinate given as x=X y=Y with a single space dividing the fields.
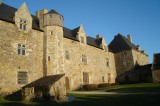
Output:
x=90 y=86
x=103 y=85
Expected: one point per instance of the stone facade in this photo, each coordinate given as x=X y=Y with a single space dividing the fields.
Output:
x=128 y=59
x=38 y=46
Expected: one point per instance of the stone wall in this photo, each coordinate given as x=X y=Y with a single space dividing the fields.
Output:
x=95 y=66
x=124 y=61
x=11 y=63
x=140 y=58
x=127 y=60
x=156 y=75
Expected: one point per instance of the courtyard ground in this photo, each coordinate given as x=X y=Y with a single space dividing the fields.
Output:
x=119 y=95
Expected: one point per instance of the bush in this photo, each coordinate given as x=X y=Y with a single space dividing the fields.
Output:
x=90 y=86
x=103 y=85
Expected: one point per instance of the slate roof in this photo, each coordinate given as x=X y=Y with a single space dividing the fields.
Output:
x=7 y=13
x=52 y=11
x=45 y=81
x=121 y=43
x=71 y=34
x=157 y=58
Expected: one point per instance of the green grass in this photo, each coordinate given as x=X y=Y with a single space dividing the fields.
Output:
x=134 y=88
x=107 y=100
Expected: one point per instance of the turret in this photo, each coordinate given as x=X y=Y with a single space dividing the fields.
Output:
x=52 y=18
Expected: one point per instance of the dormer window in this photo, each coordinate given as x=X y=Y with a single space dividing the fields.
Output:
x=82 y=39
x=23 y=24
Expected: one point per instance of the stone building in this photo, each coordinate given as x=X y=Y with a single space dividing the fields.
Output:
x=38 y=51
x=39 y=55
x=156 y=67
x=127 y=55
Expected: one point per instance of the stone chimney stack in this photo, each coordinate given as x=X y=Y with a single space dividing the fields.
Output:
x=40 y=15
x=129 y=38
x=138 y=48
x=99 y=36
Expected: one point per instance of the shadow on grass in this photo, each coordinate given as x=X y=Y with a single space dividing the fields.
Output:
x=135 y=90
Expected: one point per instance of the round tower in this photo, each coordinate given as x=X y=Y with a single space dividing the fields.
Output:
x=53 y=43
x=52 y=18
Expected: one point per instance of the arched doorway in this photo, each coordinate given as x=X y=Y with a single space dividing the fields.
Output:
x=67 y=84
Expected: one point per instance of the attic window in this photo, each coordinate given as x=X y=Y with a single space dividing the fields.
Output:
x=105 y=48
x=82 y=39
x=23 y=24
x=50 y=16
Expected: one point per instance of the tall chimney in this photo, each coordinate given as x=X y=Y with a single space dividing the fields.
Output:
x=129 y=38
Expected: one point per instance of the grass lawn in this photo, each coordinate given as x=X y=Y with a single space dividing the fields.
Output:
x=107 y=100
x=134 y=88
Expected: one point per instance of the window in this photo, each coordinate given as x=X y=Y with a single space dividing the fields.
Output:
x=109 y=77
x=21 y=49
x=51 y=32
x=82 y=39
x=85 y=78
x=103 y=79
x=67 y=54
x=105 y=48
x=23 y=24
x=49 y=58
x=84 y=58
x=107 y=62
x=22 y=78
x=50 y=16
x=124 y=53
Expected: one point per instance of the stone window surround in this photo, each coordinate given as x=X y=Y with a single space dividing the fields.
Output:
x=67 y=54
x=23 y=77
x=21 y=49
x=82 y=40
x=23 y=24
x=84 y=58
x=107 y=62
x=85 y=78
x=109 y=77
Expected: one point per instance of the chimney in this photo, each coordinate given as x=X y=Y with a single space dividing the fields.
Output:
x=129 y=38
x=138 y=48
x=0 y=2
x=99 y=36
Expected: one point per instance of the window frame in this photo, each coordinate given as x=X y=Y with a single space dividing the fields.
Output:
x=21 y=49
x=20 y=77
x=23 y=24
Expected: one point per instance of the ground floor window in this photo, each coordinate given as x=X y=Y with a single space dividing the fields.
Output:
x=85 y=78
x=109 y=77
x=103 y=80
x=22 y=78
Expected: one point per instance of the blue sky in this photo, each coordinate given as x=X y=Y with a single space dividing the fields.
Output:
x=140 y=18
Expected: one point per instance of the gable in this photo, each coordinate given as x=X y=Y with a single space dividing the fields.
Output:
x=120 y=43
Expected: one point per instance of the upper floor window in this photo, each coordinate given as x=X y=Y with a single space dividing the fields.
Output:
x=22 y=78
x=103 y=80
x=107 y=62
x=82 y=39
x=23 y=24
x=67 y=54
x=124 y=53
x=21 y=49
x=109 y=77
x=84 y=58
